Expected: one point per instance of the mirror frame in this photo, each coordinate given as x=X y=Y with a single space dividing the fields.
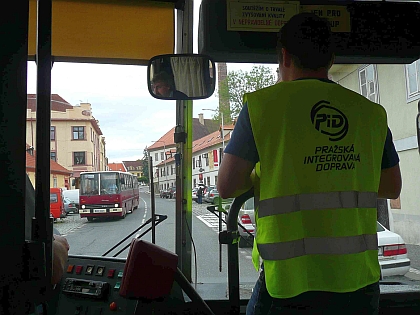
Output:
x=149 y=85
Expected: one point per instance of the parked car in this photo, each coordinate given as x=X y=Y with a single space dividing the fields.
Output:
x=392 y=253
x=73 y=195
x=246 y=218
x=162 y=193
x=206 y=193
x=70 y=206
x=194 y=194
x=168 y=193
x=209 y=197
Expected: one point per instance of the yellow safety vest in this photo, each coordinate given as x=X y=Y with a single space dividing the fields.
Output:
x=320 y=147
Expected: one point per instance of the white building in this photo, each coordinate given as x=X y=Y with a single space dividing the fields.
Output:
x=164 y=177
x=207 y=153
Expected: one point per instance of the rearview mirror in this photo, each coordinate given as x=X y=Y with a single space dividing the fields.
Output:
x=181 y=77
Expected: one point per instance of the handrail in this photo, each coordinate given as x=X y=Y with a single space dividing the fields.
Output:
x=233 y=256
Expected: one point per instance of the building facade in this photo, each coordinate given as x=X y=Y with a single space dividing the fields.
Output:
x=163 y=150
x=207 y=155
x=397 y=88
x=134 y=167
x=77 y=142
x=59 y=175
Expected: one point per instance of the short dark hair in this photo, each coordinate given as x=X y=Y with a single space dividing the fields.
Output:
x=163 y=77
x=308 y=38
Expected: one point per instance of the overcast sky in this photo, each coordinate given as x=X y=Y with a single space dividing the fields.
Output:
x=129 y=117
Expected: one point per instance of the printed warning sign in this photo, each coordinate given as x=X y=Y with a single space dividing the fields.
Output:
x=259 y=16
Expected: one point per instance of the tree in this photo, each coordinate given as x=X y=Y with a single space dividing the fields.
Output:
x=145 y=164
x=239 y=82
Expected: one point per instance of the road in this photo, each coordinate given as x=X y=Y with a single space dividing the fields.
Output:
x=97 y=237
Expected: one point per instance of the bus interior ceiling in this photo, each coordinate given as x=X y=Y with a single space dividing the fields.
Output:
x=381 y=32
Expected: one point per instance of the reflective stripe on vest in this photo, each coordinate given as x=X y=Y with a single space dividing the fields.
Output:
x=319 y=246
x=317 y=201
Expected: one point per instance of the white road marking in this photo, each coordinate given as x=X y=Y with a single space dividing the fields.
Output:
x=145 y=211
x=211 y=221
x=414 y=270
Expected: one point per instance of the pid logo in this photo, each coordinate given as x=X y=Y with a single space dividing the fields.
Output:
x=329 y=120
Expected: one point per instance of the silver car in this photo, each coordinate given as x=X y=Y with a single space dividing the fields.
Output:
x=246 y=217
x=210 y=195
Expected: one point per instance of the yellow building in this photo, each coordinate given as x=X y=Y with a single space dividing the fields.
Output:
x=59 y=175
x=397 y=88
x=77 y=142
x=134 y=167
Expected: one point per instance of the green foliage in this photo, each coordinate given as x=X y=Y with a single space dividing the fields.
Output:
x=239 y=82
x=143 y=179
x=145 y=165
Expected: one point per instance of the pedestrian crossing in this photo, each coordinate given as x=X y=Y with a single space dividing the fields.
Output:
x=211 y=221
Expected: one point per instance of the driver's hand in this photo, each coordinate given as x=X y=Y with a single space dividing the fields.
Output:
x=62 y=240
x=60 y=256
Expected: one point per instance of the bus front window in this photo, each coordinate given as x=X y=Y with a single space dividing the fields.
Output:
x=89 y=184
x=109 y=183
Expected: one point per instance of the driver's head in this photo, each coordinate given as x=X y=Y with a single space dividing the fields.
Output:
x=162 y=84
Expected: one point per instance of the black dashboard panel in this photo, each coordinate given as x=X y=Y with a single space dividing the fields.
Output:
x=91 y=286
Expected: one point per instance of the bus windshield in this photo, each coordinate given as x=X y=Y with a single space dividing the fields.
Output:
x=144 y=122
x=99 y=184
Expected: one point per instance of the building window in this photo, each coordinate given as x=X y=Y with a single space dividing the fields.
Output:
x=208 y=181
x=215 y=180
x=172 y=170
x=368 y=82
x=91 y=134
x=194 y=164
x=78 y=133
x=52 y=133
x=162 y=156
x=55 y=185
x=156 y=157
x=412 y=74
x=79 y=158
x=195 y=182
x=53 y=156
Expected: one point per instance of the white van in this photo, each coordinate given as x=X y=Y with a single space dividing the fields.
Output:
x=73 y=195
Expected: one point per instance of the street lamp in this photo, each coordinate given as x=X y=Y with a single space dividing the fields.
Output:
x=164 y=153
x=223 y=135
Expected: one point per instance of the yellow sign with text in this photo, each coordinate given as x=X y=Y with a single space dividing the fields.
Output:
x=337 y=15
x=259 y=16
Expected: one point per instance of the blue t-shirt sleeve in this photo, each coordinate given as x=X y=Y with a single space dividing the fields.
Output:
x=390 y=156
x=242 y=143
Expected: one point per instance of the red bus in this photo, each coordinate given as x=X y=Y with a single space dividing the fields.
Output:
x=107 y=194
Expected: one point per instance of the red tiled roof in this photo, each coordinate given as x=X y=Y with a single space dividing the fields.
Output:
x=227 y=127
x=199 y=131
x=54 y=166
x=203 y=143
x=57 y=103
x=117 y=167
x=165 y=141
